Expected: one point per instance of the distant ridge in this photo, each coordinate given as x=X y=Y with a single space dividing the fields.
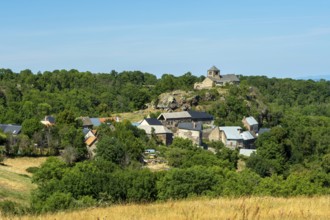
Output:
x=315 y=78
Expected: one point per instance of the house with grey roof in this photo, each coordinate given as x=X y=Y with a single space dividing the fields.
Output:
x=172 y=119
x=251 y=124
x=233 y=137
x=156 y=128
x=11 y=129
x=191 y=131
x=249 y=139
x=214 y=78
x=151 y=121
x=48 y=121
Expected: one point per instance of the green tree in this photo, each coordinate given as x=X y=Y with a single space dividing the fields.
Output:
x=111 y=149
x=30 y=126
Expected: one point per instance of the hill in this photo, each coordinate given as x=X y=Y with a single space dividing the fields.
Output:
x=222 y=208
x=15 y=181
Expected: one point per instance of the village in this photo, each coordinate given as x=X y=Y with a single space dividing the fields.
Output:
x=197 y=126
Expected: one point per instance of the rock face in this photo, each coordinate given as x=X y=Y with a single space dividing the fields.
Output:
x=176 y=100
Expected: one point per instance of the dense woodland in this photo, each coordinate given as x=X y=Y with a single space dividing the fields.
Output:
x=292 y=159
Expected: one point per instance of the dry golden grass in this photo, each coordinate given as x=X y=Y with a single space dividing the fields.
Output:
x=135 y=116
x=15 y=182
x=158 y=166
x=20 y=164
x=224 y=208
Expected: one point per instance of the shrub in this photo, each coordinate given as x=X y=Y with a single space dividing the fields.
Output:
x=58 y=201
x=32 y=169
x=11 y=208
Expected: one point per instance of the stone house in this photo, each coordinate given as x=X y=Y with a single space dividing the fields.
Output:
x=214 y=78
x=250 y=124
x=172 y=119
x=153 y=126
x=233 y=137
x=191 y=131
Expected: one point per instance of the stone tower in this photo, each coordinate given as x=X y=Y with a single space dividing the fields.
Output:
x=213 y=72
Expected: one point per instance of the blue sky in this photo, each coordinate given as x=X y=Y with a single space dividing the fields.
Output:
x=272 y=38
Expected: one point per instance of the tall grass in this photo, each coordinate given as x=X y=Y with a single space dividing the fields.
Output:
x=223 y=208
x=15 y=181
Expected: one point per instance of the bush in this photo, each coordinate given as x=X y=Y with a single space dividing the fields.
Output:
x=85 y=201
x=11 y=208
x=32 y=169
x=58 y=201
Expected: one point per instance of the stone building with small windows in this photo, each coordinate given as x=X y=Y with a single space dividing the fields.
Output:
x=214 y=78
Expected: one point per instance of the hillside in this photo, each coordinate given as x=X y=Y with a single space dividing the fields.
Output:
x=223 y=208
x=15 y=181
x=291 y=159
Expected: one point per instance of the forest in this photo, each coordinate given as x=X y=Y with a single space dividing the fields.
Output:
x=292 y=159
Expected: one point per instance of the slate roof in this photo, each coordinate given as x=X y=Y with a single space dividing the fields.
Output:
x=86 y=121
x=232 y=132
x=247 y=135
x=153 y=121
x=191 y=126
x=213 y=68
x=11 y=129
x=194 y=115
x=50 y=119
x=95 y=121
x=225 y=78
x=159 y=129
x=174 y=115
x=251 y=121
x=200 y=115
x=85 y=131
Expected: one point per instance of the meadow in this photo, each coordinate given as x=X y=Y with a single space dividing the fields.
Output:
x=16 y=186
x=15 y=181
x=202 y=208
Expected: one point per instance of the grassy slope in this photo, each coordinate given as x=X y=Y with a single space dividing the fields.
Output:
x=223 y=208
x=15 y=182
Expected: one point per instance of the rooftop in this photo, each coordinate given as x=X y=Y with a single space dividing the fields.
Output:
x=186 y=114
x=158 y=129
x=174 y=115
x=153 y=121
x=200 y=115
x=191 y=126
x=232 y=132
x=11 y=129
x=213 y=68
x=251 y=121
x=247 y=135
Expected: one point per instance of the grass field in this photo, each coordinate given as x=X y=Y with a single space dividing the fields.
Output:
x=15 y=185
x=224 y=208
x=135 y=116
x=15 y=182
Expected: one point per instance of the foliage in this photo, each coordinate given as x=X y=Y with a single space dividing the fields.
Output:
x=291 y=160
x=32 y=169
x=10 y=208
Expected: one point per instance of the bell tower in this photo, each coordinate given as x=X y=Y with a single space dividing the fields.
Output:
x=213 y=72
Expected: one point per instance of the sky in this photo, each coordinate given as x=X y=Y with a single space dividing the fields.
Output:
x=272 y=38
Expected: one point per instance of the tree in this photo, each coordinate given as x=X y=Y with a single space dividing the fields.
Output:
x=69 y=155
x=30 y=126
x=111 y=149
x=183 y=143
